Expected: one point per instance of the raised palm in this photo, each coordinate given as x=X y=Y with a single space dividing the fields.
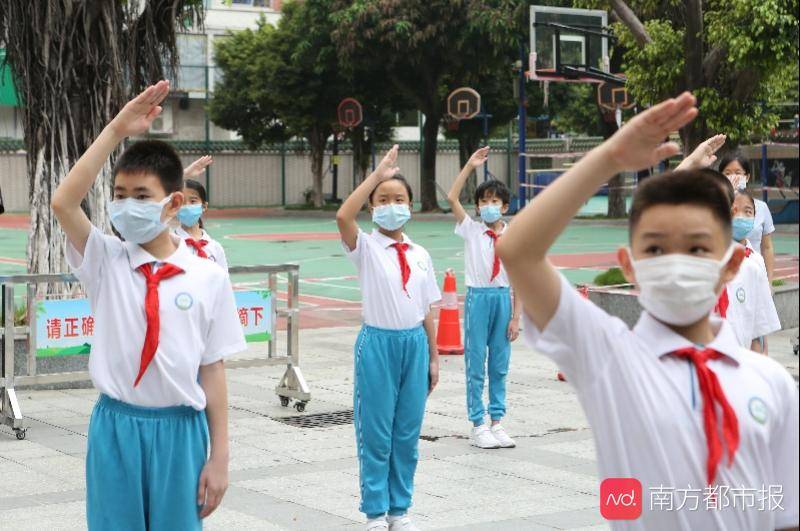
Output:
x=479 y=157
x=198 y=167
x=640 y=143
x=704 y=156
x=137 y=115
x=388 y=166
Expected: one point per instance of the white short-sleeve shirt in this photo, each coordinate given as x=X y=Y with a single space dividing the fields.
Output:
x=213 y=249
x=763 y=225
x=751 y=309
x=479 y=255
x=646 y=413
x=199 y=322
x=384 y=302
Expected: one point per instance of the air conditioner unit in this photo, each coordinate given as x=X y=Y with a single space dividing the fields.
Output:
x=162 y=125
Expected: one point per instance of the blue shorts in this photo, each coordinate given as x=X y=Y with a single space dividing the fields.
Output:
x=143 y=466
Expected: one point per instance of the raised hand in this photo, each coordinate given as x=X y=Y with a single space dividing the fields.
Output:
x=640 y=143
x=388 y=168
x=704 y=155
x=198 y=167
x=137 y=115
x=479 y=158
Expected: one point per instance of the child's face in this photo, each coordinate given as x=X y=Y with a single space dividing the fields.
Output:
x=146 y=187
x=391 y=191
x=492 y=200
x=684 y=229
x=192 y=197
x=735 y=172
x=743 y=207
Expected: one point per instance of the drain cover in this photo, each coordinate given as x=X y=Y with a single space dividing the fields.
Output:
x=319 y=420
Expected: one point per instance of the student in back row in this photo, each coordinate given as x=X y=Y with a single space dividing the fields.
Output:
x=675 y=403
x=396 y=362
x=190 y=215
x=490 y=324
x=165 y=320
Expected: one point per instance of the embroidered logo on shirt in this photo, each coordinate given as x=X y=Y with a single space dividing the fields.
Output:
x=422 y=265
x=740 y=295
x=758 y=410
x=184 y=301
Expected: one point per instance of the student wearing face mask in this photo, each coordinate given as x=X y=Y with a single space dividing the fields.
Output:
x=396 y=362
x=737 y=169
x=489 y=322
x=675 y=402
x=163 y=398
x=191 y=229
x=746 y=301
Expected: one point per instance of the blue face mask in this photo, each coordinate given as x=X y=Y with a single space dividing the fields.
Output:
x=189 y=215
x=742 y=227
x=391 y=216
x=138 y=221
x=490 y=213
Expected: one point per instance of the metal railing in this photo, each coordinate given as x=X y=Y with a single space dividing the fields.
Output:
x=291 y=386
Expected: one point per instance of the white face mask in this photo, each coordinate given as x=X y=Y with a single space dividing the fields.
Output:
x=678 y=289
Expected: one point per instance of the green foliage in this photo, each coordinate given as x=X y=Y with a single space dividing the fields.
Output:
x=778 y=282
x=749 y=55
x=612 y=277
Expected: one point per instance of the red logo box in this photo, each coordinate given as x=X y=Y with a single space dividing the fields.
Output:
x=621 y=498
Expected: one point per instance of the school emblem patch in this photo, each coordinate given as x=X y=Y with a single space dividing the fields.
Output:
x=758 y=410
x=740 y=295
x=422 y=265
x=184 y=301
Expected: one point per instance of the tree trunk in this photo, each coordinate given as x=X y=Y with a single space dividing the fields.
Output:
x=427 y=180
x=468 y=143
x=318 y=139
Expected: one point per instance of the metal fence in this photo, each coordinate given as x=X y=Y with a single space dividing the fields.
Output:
x=291 y=386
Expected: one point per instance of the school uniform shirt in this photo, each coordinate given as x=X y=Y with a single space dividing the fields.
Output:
x=198 y=317
x=646 y=413
x=479 y=255
x=763 y=225
x=213 y=249
x=384 y=302
x=751 y=310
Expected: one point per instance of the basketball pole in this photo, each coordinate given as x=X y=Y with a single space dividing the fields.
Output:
x=522 y=117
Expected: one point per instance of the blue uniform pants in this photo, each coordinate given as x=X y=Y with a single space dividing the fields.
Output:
x=486 y=345
x=143 y=466
x=391 y=387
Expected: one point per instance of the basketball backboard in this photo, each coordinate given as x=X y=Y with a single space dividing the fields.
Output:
x=349 y=113
x=463 y=103
x=569 y=45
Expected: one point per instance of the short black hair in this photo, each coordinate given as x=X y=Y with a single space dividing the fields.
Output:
x=492 y=188
x=734 y=157
x=748 y=196
x=689 y=187
x=400 y=178
x=723 y=181
x=153 y=157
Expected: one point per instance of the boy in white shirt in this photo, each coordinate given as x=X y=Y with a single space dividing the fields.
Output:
x=164 y=320
x=489 y=322
x=675 y=403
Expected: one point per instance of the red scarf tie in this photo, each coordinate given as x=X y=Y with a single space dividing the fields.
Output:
x=496 y=264
x=198 y=246
x=713 y=395
x=405 y=270
x=151 y=311
x=723 y=302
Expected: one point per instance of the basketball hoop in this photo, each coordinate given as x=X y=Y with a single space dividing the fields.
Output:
x=463 y=103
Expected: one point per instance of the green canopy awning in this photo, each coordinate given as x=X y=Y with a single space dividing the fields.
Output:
x=8 y=93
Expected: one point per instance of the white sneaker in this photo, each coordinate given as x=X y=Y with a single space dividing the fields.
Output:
x=402 y=523
x=502 y=437
x=482 y=438
x=378 y=524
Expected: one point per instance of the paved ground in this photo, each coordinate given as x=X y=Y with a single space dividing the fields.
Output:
x=284 y=477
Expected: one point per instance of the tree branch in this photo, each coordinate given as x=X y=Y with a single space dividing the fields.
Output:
x=631 y=21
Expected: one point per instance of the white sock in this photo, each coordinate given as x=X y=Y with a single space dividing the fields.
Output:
x=392 y=518
x=378 y=519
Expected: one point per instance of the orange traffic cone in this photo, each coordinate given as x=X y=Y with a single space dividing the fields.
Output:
x=448 y=337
